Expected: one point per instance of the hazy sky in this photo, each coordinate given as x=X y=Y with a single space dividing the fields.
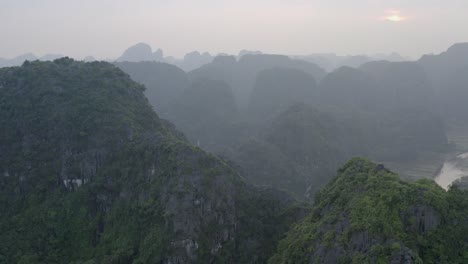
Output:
x=104 y=28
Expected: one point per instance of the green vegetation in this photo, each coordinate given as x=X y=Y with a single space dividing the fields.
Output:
x=90 y=174
x=368 y=215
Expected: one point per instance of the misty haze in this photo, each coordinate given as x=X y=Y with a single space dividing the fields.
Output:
x=275 y=132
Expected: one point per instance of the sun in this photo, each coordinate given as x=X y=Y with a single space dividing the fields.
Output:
x=394 y=16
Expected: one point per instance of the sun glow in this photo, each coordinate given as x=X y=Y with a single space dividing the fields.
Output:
x=394 y=16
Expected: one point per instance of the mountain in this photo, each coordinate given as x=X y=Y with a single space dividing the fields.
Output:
x=91 y=174
x=349 y=88
x=50 y=57
x=405 y=111
x=368 y=215
x=259 y=62
x=141 y=52
x=392 y=57
x=17 y=60
x=205 y=112
x=439 y=67
x=331 y=61
x=393 y=103
x=241 y=74
x=195 y=59
x=298 y=150
x=448 y=73
x=277 y=89
x=164 y=82
x=191 y=60
x=294 y=135
x=89 y=59
x=386 y=109
x=401 y=85
x=249 y=52
x=27 y=57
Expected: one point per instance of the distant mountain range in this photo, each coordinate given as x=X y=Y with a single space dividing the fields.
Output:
x=195 y=59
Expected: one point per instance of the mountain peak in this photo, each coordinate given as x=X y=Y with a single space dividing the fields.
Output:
x=459 y=47
x=141 y=52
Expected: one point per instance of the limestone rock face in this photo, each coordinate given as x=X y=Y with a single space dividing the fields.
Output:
x=90 y=173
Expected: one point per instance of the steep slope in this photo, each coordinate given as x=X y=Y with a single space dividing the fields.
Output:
x=440 y=67
x=448 y=73
x=164 y=82
x=89 y=173
x=368 y=215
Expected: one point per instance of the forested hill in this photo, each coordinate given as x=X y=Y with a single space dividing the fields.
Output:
x=90 y=174
x=368 y=215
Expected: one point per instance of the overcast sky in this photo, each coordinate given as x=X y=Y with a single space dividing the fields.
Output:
x=104 y=28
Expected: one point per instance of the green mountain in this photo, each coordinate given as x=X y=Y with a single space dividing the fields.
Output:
x=367 y=214
x=90 y=174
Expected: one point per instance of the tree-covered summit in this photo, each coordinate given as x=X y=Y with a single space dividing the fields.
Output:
x=367 y=214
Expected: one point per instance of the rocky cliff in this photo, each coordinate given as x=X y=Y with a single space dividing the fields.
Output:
x=90 y=174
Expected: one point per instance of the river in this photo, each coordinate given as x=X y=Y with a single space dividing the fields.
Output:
x=452 y=170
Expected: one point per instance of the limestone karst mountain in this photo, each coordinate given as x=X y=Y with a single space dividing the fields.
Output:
x=141 y=52
x=241 y=74
x=368 y=215
x=89 y=173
